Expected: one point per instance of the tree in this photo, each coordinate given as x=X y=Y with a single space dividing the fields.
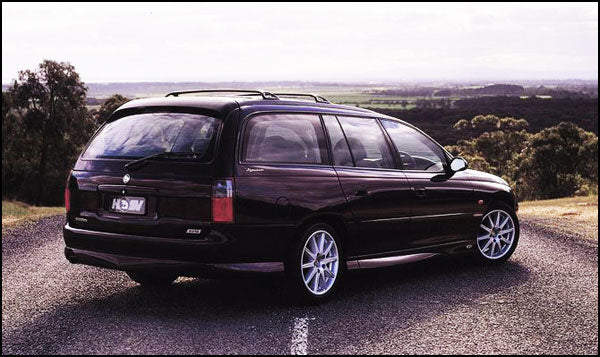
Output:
x=16 y=164
x=557 y=161
x=489 y=123
x=498 y=147
x=588 y=164
x=501 y=148
x=485 y=123
x=109 y=106
x=46 y=108
x=462 y=125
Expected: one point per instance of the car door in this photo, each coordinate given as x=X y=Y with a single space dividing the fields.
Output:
x=282 y=176
x=443 y=203
x=378 y=194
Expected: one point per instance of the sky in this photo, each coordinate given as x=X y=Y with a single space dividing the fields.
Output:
x=351 y=42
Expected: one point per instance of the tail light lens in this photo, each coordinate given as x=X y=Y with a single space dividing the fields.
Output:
x=67 y=199
x=222 y=201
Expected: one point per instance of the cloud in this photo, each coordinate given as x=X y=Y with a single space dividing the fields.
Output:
x=331 y=41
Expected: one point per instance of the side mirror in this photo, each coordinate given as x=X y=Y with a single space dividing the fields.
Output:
x=458 y=164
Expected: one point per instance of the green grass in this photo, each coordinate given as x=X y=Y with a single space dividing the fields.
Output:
x=14 y=212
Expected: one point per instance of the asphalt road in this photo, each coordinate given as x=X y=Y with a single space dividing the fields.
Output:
x=543 y=300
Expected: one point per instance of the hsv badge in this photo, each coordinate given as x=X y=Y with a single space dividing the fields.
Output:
x=126 y=178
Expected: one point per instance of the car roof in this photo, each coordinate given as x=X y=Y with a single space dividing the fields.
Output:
x=223 y=105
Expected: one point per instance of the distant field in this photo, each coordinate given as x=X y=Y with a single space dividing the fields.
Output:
x=433 y=107
x=14 y=212
x=569 y=215
x=355 y=97
x=389 y=106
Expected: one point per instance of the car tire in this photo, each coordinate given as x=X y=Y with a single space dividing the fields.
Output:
x=498 y=234
x=315 y=267
x=151 y=278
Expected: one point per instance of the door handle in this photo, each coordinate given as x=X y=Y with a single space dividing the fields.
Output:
x=360 y=192
x=421 y=192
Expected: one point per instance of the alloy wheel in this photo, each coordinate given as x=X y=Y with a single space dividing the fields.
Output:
x=496 y=234
x=319 y=262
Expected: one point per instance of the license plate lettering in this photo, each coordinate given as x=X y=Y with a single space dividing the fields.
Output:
x=127 y=204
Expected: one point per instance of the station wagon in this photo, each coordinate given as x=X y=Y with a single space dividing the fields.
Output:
x=261 y=182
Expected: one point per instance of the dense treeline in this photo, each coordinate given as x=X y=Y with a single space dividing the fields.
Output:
x=555 y=162
x=45 y=124
x=581 y=110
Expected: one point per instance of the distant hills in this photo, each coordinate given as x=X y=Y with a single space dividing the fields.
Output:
x=425 y=88
x=142 y=89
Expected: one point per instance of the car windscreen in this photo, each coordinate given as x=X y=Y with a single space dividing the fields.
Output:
x=141 y=135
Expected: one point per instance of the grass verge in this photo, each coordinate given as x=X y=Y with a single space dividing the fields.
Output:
x=577 y=215
x=14 y=212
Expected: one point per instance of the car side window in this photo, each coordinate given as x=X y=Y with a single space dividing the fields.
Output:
x=416 y=150
x=339 y=145
x=367 y=142
x=284 y=138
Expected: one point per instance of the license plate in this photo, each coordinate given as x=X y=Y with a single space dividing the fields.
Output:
x=128 y=204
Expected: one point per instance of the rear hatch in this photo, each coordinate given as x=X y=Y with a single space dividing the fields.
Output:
x=158 y=195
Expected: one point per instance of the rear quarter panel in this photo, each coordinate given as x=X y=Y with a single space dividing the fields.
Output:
x=276 y=199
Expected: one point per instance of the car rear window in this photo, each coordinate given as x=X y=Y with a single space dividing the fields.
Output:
x=284 y=138
x=146 y=134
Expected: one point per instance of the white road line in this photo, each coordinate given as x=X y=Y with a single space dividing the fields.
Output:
x=300 y=336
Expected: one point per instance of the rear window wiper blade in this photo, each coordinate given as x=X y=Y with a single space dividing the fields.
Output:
x=165 y=154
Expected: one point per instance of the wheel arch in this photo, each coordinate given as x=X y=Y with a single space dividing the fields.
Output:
x=506 y=197
x=336 y=221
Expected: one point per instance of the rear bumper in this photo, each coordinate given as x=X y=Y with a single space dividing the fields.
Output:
x=215 y=253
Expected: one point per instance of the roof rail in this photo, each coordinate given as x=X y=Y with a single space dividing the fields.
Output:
x=317 y=98
x=264 y=94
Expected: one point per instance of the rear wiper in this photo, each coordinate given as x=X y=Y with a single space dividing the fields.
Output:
x=137 y=162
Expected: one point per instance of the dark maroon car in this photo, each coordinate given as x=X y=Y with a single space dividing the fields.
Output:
x=261 y=182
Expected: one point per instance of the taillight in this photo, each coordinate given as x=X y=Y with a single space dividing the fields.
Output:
x=67 y=199
x=222 y=201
